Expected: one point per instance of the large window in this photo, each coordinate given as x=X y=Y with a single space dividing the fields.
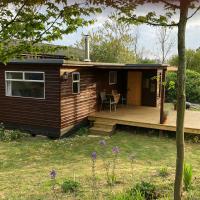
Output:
x=75 y=82
x=25 y=84
x=112 y=77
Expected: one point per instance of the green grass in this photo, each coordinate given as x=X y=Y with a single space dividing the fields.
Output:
x=25 y=164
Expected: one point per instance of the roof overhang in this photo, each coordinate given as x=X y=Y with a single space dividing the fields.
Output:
x=95 y=65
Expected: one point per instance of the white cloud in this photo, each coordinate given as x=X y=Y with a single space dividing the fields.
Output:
x=147 y=33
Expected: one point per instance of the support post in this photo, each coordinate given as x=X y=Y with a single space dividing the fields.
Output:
x=163 y=82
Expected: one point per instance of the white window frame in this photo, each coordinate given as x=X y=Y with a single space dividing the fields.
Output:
x=115 y=75
x=76 y=81
x=24 y=80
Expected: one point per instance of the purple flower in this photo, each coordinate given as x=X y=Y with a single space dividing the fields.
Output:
x=102 y=142
x=94 y=155
x=115 y=150
x=53 y=174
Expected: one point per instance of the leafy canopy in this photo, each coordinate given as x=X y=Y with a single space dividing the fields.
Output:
x=192 y=60
x=169 y=8
x=112 y=42
x=192 y=87
x=24 y=23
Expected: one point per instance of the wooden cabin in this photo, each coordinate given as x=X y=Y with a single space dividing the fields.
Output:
x=55 y=96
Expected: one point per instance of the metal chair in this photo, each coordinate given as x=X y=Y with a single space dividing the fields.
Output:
x=104 y=99
x=114 y=102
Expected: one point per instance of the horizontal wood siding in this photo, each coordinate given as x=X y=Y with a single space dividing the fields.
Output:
x=77 y=107
x=29 y=111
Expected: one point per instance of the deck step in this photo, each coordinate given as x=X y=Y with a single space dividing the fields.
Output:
x=102 y=127
x=101 y=131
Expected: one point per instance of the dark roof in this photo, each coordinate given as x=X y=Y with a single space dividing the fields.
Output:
x=99 y=65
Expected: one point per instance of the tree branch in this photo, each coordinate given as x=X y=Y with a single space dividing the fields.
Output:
x=13 y=20
x=44 y=32
x=154 y=23
x=170 y=4
x=198 y=8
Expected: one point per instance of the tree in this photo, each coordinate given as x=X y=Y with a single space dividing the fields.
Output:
x=24 y=23
x=192 y=60
x=165 y=42
x=113 y=42
x=126 y=10
x=192 y=86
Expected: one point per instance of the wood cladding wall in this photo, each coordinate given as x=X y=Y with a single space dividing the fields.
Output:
x=44 y=113
x=76 y=107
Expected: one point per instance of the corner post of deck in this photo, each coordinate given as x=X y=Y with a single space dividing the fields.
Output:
x=163 y=83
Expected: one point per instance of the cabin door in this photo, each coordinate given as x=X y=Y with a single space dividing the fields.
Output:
x=134 y=88
x=149 y=89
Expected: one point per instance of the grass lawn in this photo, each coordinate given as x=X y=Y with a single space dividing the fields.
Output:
x=25 y=165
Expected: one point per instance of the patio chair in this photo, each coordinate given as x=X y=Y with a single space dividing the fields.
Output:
x=114 y=92
x=114 y=102
x=104 y=100
x=123 y=99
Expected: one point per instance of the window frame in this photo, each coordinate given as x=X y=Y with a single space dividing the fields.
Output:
x=24 y=80
x=115 y=75
x=76 y=81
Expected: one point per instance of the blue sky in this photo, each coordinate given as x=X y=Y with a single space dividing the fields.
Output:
x=148 y=35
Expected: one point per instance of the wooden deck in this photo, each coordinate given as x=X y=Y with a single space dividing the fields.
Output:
x=147 y=117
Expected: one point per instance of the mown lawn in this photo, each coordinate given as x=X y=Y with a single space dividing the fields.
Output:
x=25 y=165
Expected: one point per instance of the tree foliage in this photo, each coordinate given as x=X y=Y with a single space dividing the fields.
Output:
x=112 y=42
x=192 y=60
x=192 y=87
x=24 y=23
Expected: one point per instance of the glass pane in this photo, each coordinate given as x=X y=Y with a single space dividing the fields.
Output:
x=26 y=89
x=75 y=77
x=75 y=87
x=34 y=76
x=14 y=75
x=113 y=77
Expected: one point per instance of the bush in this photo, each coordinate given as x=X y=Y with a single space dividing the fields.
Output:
x=70 y=186
x=2 y=132
x=192 y=86
x=10 y=135
x=82 y=131
x=148 y=190
x=187 y=178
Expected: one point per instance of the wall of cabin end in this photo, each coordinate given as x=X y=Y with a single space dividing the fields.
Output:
x=75 y=108
x=39 y=116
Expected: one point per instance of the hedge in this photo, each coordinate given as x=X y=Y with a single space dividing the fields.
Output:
x=192 y=86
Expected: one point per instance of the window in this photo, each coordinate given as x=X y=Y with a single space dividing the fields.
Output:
x=75 y=82
x=112 y=77
x=25 y=84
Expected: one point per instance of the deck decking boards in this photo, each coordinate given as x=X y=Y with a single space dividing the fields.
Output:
x=148 y=117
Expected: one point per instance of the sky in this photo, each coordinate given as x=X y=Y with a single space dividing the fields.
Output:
x=147 y=34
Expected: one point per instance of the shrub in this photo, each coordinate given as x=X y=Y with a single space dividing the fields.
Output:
x=192 y=86
x=70 y=186
x=2 y=132
x=187 y=178
x=82 y=131
x=10 y=135
x=148 y=190
x=163 y=172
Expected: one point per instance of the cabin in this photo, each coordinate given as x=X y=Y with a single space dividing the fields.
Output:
x=54 y=96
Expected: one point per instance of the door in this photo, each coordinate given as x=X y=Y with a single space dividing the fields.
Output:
x=134 y=88
x=149 y=88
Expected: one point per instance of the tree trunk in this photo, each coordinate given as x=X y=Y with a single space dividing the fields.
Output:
x=180 y=101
